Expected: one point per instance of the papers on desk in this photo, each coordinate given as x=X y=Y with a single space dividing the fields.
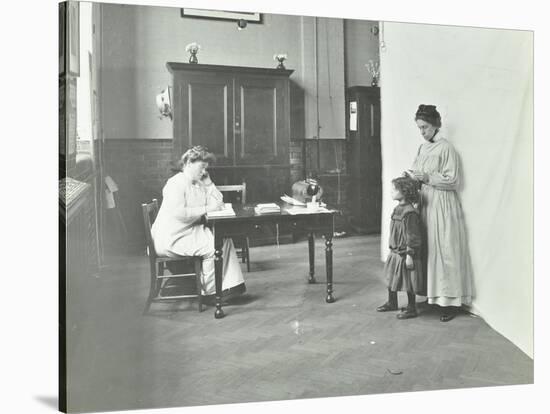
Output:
x=267 y=208
x=227 y=211
x=293 y=201
x=303 y=210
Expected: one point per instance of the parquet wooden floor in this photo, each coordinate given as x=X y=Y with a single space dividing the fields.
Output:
x=278 y=341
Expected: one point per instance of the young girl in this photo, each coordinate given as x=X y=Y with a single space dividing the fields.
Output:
x=403 y=267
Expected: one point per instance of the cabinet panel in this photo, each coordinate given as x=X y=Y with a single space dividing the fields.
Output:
x=206 y=116
x=211 y=127
x=261 y=121
x=365 y=163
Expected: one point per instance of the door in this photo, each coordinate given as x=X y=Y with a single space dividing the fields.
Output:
x=204 y=102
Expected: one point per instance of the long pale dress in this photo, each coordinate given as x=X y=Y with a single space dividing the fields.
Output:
x=448 y=265
x=178 y=231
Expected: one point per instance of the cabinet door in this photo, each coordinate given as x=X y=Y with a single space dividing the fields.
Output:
x=365 y=164
x=262 y=121
x=204 y=105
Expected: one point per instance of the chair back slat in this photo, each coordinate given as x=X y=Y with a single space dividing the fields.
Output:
x=237 y=188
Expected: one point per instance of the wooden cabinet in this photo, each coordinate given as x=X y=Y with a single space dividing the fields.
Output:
x=241 y=114
x=364 y=158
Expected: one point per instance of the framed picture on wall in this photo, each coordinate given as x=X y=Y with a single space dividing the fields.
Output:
x=73 y=41
x=222 y=15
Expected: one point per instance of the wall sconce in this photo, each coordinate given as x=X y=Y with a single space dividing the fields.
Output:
x=164 y=104
x=241 y=24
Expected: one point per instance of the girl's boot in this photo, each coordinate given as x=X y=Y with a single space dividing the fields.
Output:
x=391 y=304
x=410 y=310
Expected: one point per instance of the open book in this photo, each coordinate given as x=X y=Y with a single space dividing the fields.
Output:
x=227 y=211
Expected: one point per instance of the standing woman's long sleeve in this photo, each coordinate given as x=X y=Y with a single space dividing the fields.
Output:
x=447 y=176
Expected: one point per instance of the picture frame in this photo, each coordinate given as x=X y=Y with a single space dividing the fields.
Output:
x=250 y=17
x=73 y=37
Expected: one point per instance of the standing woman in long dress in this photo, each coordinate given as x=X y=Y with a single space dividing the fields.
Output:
x=178 y=229
x=447 y=261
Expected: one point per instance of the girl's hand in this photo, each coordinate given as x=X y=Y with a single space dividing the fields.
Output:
x=409 y=263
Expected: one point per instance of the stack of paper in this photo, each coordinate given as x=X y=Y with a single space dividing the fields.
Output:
x=301 y=210
x=293 y=201
x=267 y=208
x=227 y=211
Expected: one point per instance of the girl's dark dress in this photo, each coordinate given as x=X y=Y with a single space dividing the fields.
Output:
x=405 y=238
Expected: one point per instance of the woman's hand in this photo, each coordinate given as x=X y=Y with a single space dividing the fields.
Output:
x=418 y=175
x=205 y=179
x=409 y=263
x=214 y=206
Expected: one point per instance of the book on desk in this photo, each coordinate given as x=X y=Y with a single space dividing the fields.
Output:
x=306 y=210
x=267 y=208
x=226 y=211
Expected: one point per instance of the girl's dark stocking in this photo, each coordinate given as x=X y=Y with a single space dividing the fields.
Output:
x=391 y=304
x=410 y=311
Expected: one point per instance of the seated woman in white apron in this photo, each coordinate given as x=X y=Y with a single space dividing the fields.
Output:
x=178 y=229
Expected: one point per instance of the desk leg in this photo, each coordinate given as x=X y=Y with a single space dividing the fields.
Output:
x=218 y=265
x=311 y=244
x=328 y=256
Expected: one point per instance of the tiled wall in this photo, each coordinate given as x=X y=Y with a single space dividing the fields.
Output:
x=139 y=167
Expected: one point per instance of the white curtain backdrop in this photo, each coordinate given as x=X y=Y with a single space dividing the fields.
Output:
x=482 y=83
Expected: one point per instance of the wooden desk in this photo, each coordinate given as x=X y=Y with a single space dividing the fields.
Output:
x=247 y=222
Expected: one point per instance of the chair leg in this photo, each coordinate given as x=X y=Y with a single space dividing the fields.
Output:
x=198 y=269
x=158 y=285
x=152 y=289
x=147 y=306
x=247 y=244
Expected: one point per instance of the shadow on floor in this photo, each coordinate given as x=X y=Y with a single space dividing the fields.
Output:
x=49 y=401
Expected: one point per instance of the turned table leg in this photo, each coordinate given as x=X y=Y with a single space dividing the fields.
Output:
x=311 y=245
x=328 y=256
x=218 y=263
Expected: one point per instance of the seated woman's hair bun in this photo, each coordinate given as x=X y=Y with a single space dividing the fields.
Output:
x=197 y=153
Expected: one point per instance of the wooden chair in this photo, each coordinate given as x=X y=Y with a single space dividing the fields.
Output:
x=240 y=242
x=158 y=264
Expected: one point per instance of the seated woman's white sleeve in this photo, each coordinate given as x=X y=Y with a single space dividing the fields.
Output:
x=190 y=213
x=180 y=209
x=213 y=194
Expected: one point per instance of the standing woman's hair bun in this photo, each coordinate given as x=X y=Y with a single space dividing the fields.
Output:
x=429 y=114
